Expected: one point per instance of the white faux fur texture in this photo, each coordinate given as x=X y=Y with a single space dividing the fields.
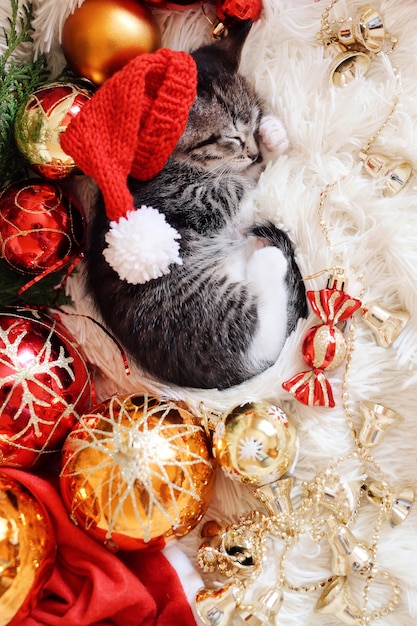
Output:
x=375 y=237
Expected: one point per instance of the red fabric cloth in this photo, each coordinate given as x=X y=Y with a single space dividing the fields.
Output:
x=91 y=586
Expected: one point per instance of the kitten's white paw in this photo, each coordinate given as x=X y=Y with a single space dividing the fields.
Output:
x=273 y=135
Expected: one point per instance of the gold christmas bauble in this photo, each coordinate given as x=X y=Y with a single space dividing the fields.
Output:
x=101 y=36
x=27 y=550
x=137 y=469
x=41 y=120
x=255 y=443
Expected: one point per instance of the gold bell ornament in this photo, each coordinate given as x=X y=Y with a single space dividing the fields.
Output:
x=377 y=419
x=367 y=28
x=349 y=554
x=216 y=607
x=263 y=611
x=394 y=172
x=346 y=64
x=336 y=599
x=386 y=324
x=396 y=503
x=276 y=496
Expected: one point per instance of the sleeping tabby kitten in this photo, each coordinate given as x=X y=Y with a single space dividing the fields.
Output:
x=223 y=315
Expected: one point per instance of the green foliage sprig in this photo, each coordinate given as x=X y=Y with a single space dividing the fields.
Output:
x=18 y=80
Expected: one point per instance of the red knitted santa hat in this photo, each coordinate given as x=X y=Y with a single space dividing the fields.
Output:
x=131 y=126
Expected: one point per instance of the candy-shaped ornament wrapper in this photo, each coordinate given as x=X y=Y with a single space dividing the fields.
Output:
x=323 y=347
x=137 y=470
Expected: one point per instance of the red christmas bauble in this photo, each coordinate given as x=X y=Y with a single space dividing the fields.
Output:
x=45 y=384
x=27 y=549
x=40 y=122
x=41 y=226
x=232 y=11
x=324 y=347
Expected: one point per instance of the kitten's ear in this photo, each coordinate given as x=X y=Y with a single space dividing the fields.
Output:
x=227 y=50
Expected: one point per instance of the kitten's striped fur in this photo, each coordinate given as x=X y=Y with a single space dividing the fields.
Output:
x=222 y=316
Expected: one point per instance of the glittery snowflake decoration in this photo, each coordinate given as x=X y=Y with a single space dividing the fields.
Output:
x=137 y=467
x=250 y=449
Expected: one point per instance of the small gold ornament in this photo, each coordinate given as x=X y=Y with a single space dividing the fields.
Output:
x=394 y=172
x=216 y=607
x=262 y=611
x=395 y=503
x=349 y=554
x=377 y=419
x=385 y=324
x=336 y=599
x=135 y=469
x=276 y=496
x=366 y=28
x=27 y=550
x=346 y=65
x=352 y=43
x=255 y=443
x=102 y=36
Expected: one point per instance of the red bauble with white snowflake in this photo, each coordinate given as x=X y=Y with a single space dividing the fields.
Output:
x=45 y=385
x=41 y=226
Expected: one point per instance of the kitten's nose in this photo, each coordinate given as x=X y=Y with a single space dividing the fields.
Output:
x=252 y=150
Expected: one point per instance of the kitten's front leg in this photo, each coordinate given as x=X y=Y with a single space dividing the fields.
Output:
x=273 y=136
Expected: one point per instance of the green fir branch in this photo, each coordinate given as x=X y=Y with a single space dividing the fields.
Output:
x=18 y=80
x=46 y=292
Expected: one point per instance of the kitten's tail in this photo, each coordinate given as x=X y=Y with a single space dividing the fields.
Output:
x=281 y=240
x=276 y=237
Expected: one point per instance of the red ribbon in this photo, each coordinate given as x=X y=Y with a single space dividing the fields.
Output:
x=311 y=387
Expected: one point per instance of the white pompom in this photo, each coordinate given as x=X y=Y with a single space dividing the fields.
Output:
x=142 y=246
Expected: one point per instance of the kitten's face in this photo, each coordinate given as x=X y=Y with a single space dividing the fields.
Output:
x=223 y=126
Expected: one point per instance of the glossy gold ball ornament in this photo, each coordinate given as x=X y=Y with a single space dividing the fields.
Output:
x=27 y=550
x=137 y=469
x=255 y=443
x=101 y=36
x=41 y=120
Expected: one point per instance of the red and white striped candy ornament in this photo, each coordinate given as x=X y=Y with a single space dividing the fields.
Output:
x=323 y=347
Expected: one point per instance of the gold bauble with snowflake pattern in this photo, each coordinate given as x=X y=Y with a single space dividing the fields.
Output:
x=137 y=469
x=255 y=443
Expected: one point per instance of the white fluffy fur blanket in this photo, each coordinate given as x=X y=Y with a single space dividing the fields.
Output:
x=374 y=235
